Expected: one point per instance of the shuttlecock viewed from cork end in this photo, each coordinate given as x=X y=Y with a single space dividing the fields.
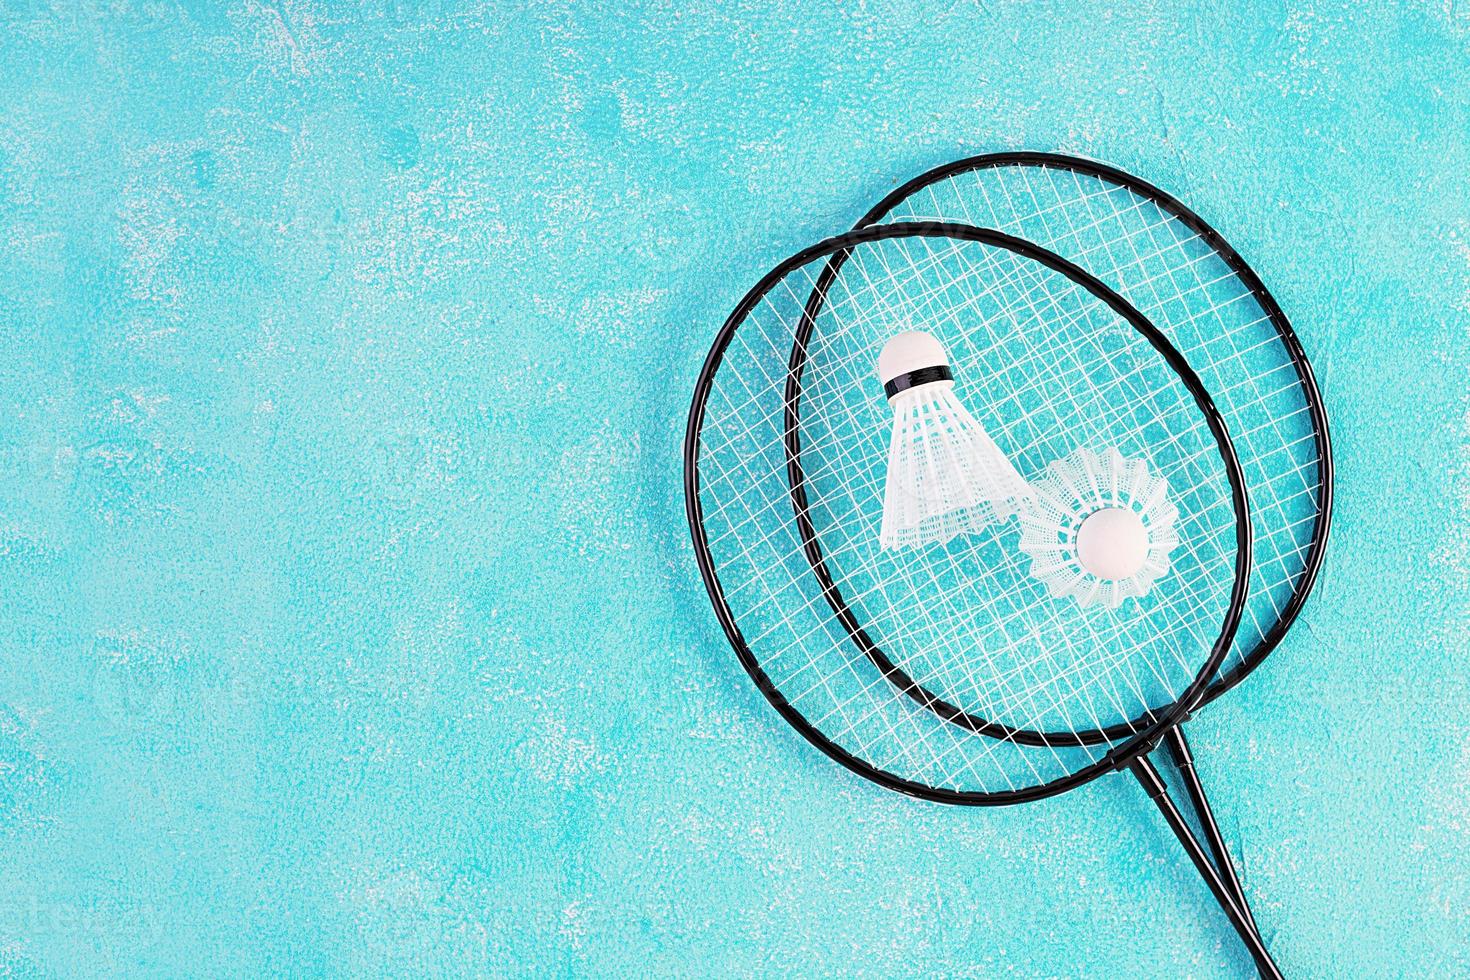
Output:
x=1099 y=528
x=946 y=476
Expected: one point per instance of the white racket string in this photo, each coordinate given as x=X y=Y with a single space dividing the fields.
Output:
x=1180 y=282
x=1048 y=368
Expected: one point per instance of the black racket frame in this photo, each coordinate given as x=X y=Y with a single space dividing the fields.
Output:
x=1133 y=753
x=1311 y=393
x=1306 y=580
x=1139 y=741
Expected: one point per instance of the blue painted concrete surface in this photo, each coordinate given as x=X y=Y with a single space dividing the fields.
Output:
x=348 y=623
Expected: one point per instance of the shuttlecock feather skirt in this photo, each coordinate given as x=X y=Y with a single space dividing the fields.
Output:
x=946 y=476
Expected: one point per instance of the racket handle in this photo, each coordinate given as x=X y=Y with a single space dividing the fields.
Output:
x=1153 y=785
x=1184 y=762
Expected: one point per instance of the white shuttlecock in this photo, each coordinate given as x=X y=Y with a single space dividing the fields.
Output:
x=945 y=474
x=1099 y=528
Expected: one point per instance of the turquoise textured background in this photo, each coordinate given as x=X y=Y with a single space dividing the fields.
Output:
x=348 y=623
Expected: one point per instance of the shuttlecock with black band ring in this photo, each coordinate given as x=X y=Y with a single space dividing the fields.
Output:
x=946 y=476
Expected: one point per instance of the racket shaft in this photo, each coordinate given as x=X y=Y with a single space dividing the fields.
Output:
x=1153 y=784
x=1184 y=762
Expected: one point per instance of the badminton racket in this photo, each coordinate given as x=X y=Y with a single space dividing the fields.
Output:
x=1058 y=361
x=1182 y=275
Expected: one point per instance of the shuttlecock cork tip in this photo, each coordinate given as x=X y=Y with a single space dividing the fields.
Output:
x=911 y=359
x=910 y=351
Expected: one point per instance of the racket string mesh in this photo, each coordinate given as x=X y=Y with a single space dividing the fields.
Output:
x=1048 y=368
x=1179 y=280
